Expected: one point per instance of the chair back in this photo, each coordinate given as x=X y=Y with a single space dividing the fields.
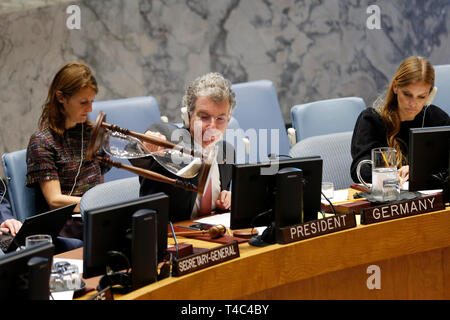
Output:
x=235 y=136
x=109 y=193
x=22 y=198
x=442 y=82
x=135 y=114
x=257 y=108
x=326 y=116
x=335 y=151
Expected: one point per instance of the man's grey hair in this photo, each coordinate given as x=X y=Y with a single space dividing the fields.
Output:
x=212 y=85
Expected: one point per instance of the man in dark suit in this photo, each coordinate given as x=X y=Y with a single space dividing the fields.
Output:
x=9 y=224
x=209 y=102
x=7 y=221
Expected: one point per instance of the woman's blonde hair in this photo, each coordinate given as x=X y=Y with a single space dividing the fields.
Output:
x=68 y=80
x=411 y=70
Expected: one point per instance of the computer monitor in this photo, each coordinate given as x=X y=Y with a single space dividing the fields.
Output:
x=25 y=274
x=112 y=234
x=253 y=193
x=428 y=156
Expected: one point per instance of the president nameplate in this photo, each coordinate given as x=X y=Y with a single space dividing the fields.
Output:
x=316 y=228
x=402 y=209
x=207 y=258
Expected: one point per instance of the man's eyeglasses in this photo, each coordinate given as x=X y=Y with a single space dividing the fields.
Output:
x=207 y=119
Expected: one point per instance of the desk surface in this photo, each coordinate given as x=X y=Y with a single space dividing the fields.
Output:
x=412 y=253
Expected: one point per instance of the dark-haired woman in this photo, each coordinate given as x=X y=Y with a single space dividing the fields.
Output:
x=56 y=152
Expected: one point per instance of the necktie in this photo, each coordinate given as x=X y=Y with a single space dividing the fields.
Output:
x=205 y=202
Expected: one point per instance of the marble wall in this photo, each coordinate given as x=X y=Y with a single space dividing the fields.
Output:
x=310 y=49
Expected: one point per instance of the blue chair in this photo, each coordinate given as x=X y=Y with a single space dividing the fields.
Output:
x=442 y=82
x=334 y=150
x=326 y=116
x=257 y=108
x=135 y=114
x=235 y=136
x=22 y=198
x=110 y=193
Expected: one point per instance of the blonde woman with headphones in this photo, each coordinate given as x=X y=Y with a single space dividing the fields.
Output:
x=406 y=104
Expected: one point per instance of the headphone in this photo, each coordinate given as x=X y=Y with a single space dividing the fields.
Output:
x=431 y=96
x=81 y=161
x=428 y=102
x=185 y=117
x=121 y=280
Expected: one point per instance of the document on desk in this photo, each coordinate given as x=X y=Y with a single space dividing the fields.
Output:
x=338 y=196
x=222 y=218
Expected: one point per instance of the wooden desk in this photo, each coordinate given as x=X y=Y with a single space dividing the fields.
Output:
x=413 y=255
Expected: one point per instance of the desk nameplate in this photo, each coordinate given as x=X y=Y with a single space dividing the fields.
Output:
x=402 y=209
x=316 y=228
x=105 y=294
x=207 y=258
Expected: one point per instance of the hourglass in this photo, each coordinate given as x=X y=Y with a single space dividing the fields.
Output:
x=125 y=144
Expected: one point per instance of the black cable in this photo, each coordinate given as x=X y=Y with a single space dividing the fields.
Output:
x=332 y=207
x=252 y=223
x=174 y=239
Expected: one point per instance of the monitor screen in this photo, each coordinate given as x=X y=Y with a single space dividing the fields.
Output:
x=108 y=229
x=429 y=158
x=25 y=274
x=253 y=192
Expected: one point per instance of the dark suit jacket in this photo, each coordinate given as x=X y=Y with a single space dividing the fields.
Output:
x=181 y=202
x=5 y=209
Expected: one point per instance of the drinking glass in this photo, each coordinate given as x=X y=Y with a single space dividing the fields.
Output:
x=37 y=239
x=385 y=180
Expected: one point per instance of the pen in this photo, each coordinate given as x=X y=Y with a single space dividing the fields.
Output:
x=347 y=201
x=186 y=227
x=174 y=238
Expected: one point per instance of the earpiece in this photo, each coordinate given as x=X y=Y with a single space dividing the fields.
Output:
x=428 y=102
x=431 y=97
x=81 y=161
x=185 y=117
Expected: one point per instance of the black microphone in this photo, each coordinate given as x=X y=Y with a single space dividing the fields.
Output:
x=176 y=248
x=174 y=238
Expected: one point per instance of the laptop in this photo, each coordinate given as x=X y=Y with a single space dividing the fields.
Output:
x=50 y=222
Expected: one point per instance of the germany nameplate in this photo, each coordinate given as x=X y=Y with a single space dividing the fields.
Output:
x=402 y=209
